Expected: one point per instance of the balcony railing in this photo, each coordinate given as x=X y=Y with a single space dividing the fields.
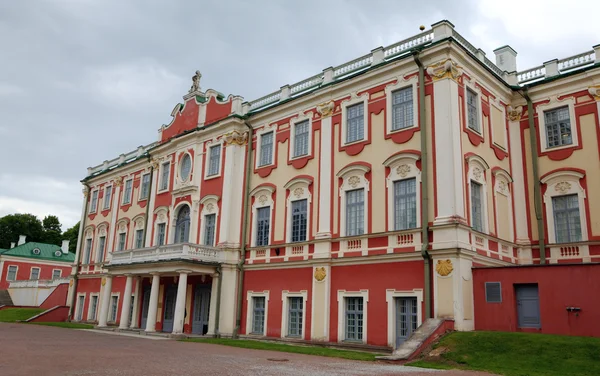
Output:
x=183 y=251
x=38 y=283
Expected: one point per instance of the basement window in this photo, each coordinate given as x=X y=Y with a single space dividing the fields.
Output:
x=493 y=292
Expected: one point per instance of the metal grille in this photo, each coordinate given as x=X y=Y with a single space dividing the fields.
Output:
x=476 y=207
x=402 y=108
x=139 y=238
x=295 y=316
x=101 y=245
x=405 y=204
x=127 y=193
x=567 y=223
x=301 y=139
x=107 y=196
x=164 y=178
x=355 y=212
x=263 y=222
x=258 y=315
x=558 y=127
x=209 y=229
x=266 y=149
x=145 y=186
x=215 y=157
x=299 y=213
x=493 y=292
x=472 y=110
x=355 y=123
x=354 y=319
x=160 y=236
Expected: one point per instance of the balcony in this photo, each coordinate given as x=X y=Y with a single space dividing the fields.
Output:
x=181 y=251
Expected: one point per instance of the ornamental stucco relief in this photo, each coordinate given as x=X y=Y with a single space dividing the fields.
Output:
x=354 y=181
x=320 y=274
x=444 y=267
x=403 y=170
x=562 y=187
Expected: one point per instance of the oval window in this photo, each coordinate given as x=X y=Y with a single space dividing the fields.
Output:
x=186 y=167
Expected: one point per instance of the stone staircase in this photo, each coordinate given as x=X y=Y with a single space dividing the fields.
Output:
x=430 y=331
x=5 y=299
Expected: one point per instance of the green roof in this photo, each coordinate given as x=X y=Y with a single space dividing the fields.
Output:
x=46 y=252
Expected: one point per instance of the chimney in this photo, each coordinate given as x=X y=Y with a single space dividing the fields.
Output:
x=12 y=244
x=21 y=239
x=65 y=247
x=506 y=58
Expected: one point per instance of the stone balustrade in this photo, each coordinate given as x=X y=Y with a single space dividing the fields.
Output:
x=181 y=251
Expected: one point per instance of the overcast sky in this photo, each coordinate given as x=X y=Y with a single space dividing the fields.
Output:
x=82 y=81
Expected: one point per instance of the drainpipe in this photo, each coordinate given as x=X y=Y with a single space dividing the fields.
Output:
x=80 y=241
x=218 y=308
x=424 y=191
x=246 y=213
x=537 y=189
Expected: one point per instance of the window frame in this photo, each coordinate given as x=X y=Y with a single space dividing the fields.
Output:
x=101 y=250
x=293 y=127
x=106 y=204
x=341 y=298
x=261 y=149
x=257 y=235
x=59 y=273
x=39 y=270
x=121 y=245
x=477 y=94
x=263 y=197
x=8 y=273
x=557 y=123
x=87 y=251
x=110 y=308
x=285 y=296
x=390 y=297
x=79 y=307
x=364 y=99
x=180 y=167
x=411 y=102
x=401 y=84
x=353 y=178
x=164 y=166
x=479 y=225
x=402 y=166
x=250 y=295
x=209 y=154
x=93 y=317
x=556 y=104
x=95 y=196
x=141 y=193
x=477 y=172
x=136 y=239
x=487 y=300
x=127 y=197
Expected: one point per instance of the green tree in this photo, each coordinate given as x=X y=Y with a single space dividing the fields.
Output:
x=13 y=225
x=71 y=235
x=52 y=230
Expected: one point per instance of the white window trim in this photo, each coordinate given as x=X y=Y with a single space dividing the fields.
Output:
x=402 y=167
x=89 y=316
x=554 y=104
x=92 y=209
x=89 y=235
x=285 y=294
x=137 y=223
x=16 y=273
x=501 y=187
x=364 y=98
x=301 y=118
x=160 y=174
x=106 y=205
x=102 y=230
x=140 y=198
x=180 y=179
x=477 y=173
x=123 y=202
x=260 y=202
x=341 y=298
x=347 y=174
x=170 y=239
x=555 y=187
x=122 y=228
x=31 y=272
x=399 y=85
x=206 y=203
x=259 y=136
x=299 y=190
x=470 y=85
x=59 y=273
x=496 y=103
x=250 y=311
x=390 y=298
x=80 y=307
x=209 y=145
x=118 y=295
x=161 y=217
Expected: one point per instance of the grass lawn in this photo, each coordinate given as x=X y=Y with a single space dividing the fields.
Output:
x=18 y=314
x=517 y=354
x=308 y=350
x=71 y=325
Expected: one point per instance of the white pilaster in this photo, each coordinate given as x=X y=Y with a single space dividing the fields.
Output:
x=231 y=201
x=228 y=304
x=322 y=250
x=105 y=301
x=150 y=219
x=212 y=314
x=124 y=323
x=153 y=304
x=180 y=303
x=321 y=293
x=136 y=302
x=518 y=184
x=113 y=220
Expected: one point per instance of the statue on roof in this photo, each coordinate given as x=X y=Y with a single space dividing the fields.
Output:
x=196 y=82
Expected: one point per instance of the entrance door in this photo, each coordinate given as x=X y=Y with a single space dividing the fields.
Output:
x=201 y=309
x=406 y=318
x=528 y=306
x=145 y=305
x=169 y=311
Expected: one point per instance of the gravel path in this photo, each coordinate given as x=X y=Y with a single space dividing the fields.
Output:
x=40 y=350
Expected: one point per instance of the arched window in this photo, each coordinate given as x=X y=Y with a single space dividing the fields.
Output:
x=182 y=226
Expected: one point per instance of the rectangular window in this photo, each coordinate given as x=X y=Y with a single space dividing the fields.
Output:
x=301 y=139
x=94 y=204
x=131 y=308
x=355 y=212
x=354 y=319
x=56 y=273
x=209 y=229
x=139 y=238
x=258 y=315
x=295 y=305
x=93 y=307
x=121 y=244
x=405 y=204
x=299 y=220
x=476 y=207
x=263 y=223
x=80 y=303
x=114 y=304
x=164 y=176
x=35 y=274
x=493 y=292
x=567 y=223
x=107 y=197
x=160 y=234
x=355 y=123
x=558 y=127
x=101 y=245
x=88 y=251
x=127 y=193
x=11 y=275
x=266 y=149
x=402 y=109
x=145 y=192
x=214 y=160
x=472 y=111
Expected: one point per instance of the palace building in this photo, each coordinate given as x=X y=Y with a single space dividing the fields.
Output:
x=353 y=205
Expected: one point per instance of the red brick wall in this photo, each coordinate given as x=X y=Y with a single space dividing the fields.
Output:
x=24 y=271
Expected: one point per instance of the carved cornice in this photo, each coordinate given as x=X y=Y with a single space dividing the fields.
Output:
x=119 y=181
x=236 y=138
x=595 y=92
x=444 y=69
x=326 y=109
x=515 y=113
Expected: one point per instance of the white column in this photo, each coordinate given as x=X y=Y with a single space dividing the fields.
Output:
x=518 y=184
x=136 y=302
x=153 y=305
x=150 y=219
x=231 y=201
x=105 y=301
x=180 y=303
x=212 y=314
x=322 y=250
x=114 y=213
x=124 y=323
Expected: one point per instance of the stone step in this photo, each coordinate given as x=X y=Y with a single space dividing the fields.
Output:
x=425 y=334
x=5 y=299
